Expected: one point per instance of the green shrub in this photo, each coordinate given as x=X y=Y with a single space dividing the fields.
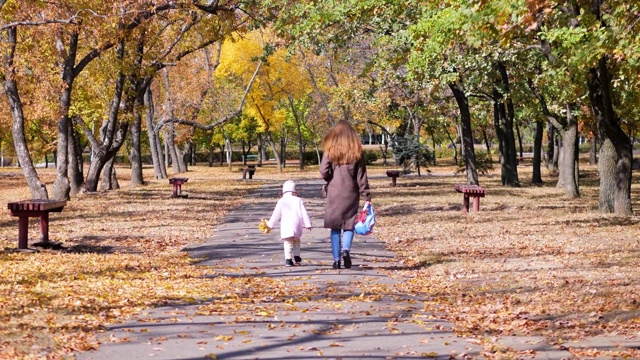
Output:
x=406 y=150
x=370 y=157
x=484 y=163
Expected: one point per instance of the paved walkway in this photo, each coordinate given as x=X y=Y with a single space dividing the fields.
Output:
x=330 y=326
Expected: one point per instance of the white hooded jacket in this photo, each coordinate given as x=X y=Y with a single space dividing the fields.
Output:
x=291 y=213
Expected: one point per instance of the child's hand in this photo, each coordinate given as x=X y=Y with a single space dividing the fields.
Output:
x=263 y=227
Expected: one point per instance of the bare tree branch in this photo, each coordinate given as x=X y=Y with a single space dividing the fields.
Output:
x=219 y=121
x=183 y=31
x=37 y=23
x=86 y=131
x=144 y=15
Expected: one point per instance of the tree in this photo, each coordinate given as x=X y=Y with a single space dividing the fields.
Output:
x=9 y=32
x=597 y=35
x=279 y=84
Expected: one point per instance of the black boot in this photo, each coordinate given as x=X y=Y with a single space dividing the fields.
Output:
x=336 y=264
x=347 y=259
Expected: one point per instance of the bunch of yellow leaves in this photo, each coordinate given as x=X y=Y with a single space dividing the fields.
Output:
x=264 y=228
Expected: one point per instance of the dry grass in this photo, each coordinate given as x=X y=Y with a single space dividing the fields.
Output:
x=530 y=262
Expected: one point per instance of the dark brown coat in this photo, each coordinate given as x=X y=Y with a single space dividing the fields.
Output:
x=346 y=183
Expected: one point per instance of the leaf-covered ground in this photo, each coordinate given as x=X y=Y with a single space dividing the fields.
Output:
x=530 y=262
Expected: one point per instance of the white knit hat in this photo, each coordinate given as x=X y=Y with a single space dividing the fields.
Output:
x=289 y=186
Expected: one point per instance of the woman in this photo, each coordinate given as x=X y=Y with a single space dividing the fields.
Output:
x=343 y=168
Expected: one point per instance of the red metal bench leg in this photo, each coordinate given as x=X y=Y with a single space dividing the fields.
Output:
x=23 y=232
x=465 y=203
x=44 y=227
x=476 y=203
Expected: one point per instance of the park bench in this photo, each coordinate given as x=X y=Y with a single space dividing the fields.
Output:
x=473 y=191
x=393 y=174
x=34 y=208
x=177 y=186
x=250 y=169
x=252 y=157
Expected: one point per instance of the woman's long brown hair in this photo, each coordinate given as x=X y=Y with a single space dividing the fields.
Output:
x=342 y=144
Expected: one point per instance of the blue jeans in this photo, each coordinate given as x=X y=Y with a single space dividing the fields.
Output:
x=336 y=243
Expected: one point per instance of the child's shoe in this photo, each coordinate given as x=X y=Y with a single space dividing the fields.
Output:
x=288 y=263
x=298 y=260
x=347 y=259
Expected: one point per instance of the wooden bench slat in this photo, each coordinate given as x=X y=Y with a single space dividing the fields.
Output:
x=178 y=180
x=35 y=205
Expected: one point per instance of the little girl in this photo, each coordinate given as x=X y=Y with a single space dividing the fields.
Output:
x=292 y=214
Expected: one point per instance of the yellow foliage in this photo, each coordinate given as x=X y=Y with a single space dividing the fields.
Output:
x=281 y=76
x=264 y=228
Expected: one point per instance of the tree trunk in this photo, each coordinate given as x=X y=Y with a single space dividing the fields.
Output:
x=467 y=136
x=299 y=131
x=185 y=155
x=211 y=154
x=508 y=115
x=519 y=140
x=569 y=163
x=486 y=142
x=537 y=154
x=109 y=181
x=37 y=189
x=113 y=132
x=135 y=106
x=244 y=151
x=171 y=146
x=135 y=157
x=499 y=135
x=552 y=151
x=263 y=151
x=260 y=150
x=275 y=151
x=556 y=153
x=593 y=149
x=560 y=154
x=607 y=174
x=222 y=155
x=159 y=171
x=76 y=175
x=283 y=148
x=615 y=152
x=193 y=154
x=67 y=59
x=180 y=159
x=453 y=145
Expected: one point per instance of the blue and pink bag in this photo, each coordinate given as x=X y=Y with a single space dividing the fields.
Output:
x=366 y=220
